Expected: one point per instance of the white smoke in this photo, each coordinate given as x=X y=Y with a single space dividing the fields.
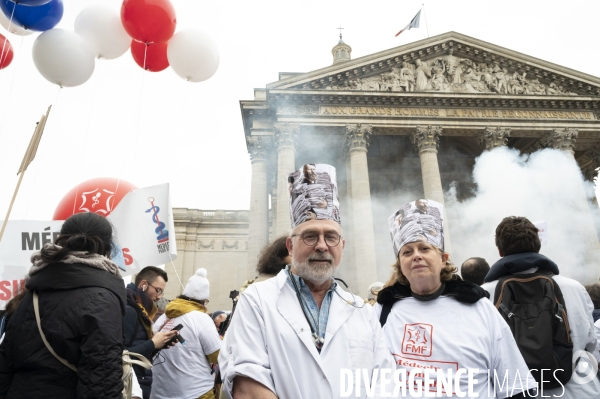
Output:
x=545 y=185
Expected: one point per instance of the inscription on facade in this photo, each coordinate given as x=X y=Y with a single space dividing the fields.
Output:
x=437 y=112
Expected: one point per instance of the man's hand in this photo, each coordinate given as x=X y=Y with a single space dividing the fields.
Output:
x=161 y=338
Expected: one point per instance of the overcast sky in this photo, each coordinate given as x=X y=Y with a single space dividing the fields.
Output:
x=149 y=128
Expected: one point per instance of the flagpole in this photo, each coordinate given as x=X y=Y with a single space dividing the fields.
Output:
x=29 y=156
x=425 y=16
x=11 y=205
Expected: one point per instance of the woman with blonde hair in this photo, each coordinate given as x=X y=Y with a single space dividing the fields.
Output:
x=435 y=322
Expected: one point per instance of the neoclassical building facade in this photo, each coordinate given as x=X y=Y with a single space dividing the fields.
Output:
x=404 y=123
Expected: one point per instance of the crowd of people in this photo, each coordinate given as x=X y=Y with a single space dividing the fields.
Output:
x=516 y=329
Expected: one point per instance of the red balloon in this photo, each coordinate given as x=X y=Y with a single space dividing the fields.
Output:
x=151 y=57
x=149 y=21
x=100 y=195
x=6 y=52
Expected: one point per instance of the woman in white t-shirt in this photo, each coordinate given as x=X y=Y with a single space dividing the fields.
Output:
x=184 y=371
x=435 y=323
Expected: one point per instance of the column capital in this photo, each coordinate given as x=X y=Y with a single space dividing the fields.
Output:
x=493 y=137
x=286 y=134
x=358 y=136
x=591 y=170
x=259 y=147
x=560 y=139
x=426 y=138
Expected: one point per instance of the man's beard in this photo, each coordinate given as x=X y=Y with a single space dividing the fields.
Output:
x=316 y=274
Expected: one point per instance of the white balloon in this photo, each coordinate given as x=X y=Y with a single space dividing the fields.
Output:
x=14 y=28
x=101 y=27
x=193 y=55
x=63 y=57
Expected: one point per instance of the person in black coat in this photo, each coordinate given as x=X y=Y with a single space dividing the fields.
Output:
x=149 y=287
x=81 y=305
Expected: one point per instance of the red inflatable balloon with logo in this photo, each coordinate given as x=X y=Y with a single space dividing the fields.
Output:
x=100 y=195
x=149 y=21
x=6 y=52
x=151 y=57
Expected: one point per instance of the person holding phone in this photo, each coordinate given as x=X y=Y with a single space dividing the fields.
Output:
x=184 y=371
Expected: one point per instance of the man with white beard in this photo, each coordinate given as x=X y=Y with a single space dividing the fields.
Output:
x=292 y=336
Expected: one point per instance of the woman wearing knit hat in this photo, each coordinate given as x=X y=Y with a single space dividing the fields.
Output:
x=184 y=371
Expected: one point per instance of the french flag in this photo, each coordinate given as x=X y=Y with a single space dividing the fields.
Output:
x=414 y=23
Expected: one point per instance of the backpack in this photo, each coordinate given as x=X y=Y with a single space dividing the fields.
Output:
x=128 y=357
x=534 y=308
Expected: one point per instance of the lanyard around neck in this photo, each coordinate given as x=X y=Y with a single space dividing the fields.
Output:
x=317 y=340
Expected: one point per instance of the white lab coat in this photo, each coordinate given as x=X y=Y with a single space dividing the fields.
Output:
x=269 y=340
x=579 y=313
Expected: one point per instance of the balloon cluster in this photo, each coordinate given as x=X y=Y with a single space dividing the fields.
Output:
x=67 y=58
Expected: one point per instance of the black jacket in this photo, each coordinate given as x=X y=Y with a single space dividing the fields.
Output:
x=81 y=311
x=136 y=340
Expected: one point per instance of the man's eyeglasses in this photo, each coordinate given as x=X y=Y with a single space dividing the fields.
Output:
x=311 y=239
x=159 y=291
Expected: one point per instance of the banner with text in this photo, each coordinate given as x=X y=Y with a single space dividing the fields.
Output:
x=143 y=228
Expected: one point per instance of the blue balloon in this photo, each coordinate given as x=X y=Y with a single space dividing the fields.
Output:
x=30 y=2
x=38 y=18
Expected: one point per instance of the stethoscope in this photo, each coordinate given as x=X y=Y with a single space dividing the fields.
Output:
x=317 y=340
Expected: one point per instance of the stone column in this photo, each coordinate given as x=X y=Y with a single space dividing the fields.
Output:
x=285 y=140
x=258 y=229
x=427 y=139
x=493 y=137
x=348 y=224
x=590 y=172
x=564 y=139
x=357 y=141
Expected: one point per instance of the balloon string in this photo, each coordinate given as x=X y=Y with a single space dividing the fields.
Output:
x=33 y=194
x=180 y=123
x=175 y=270
x=137 y=126
x=139 y=115
x=8 y=29
x=86 y=134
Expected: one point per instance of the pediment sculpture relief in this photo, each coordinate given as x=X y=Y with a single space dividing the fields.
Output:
x=450 y=74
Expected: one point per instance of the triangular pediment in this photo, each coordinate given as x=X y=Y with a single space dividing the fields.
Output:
x=447 y=63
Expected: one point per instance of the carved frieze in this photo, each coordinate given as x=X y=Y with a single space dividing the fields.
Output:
x=259 y=147
x=493 y=137
x=358 y=136
x=286 y=134
x=560 y=139
x=225 y=245
x=448 y=74
x=426 y=137
x=211 y=245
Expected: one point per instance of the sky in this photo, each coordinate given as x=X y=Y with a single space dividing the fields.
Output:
x=150 y=128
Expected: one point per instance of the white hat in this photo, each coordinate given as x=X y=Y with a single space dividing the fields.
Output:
x=313 y=194
x=420 y=220
x=198 y=285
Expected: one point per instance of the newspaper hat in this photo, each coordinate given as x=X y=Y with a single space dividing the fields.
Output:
x=313 y=194
x=420 y=220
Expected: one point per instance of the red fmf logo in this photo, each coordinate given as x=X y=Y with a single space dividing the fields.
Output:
x=417 y=339
x=97 y=201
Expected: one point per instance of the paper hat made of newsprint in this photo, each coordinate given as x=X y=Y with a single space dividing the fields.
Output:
x=313 y=194
x=420 y=220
